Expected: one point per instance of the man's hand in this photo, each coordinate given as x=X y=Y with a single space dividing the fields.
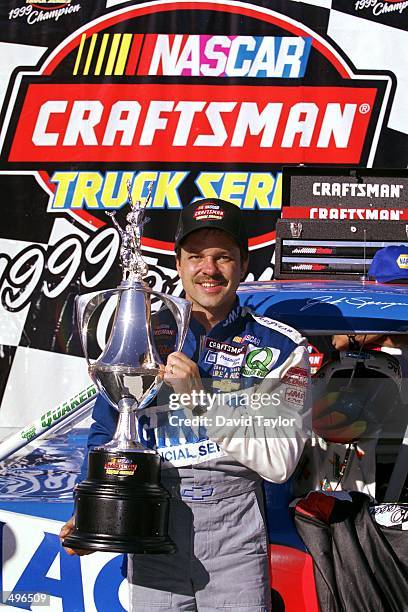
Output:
x=182 y=374
x=66 y=530
x=341 y=341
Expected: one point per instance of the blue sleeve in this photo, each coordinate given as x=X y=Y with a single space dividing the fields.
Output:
x=102 y=429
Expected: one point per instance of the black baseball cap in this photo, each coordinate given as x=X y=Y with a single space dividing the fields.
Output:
x=212 y=213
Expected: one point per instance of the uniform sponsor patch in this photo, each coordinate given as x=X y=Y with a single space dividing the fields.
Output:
x=286 y=330
x=227 y=359
x=217 y=345
x=247 y=338
x=210 y=357
x=259 y=362
x=297 y=377
x=295 y=396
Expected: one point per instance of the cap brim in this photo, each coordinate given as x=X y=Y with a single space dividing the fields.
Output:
x=211 y=226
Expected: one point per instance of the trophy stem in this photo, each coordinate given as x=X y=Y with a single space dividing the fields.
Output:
x=125 y=436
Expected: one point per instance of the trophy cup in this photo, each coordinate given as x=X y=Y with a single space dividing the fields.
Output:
x=121 y=506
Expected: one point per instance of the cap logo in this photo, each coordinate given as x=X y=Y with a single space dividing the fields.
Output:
x=206 y=212
x=402 y=261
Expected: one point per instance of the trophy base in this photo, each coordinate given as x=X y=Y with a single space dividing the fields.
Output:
x=121 y=507
x=150 y=546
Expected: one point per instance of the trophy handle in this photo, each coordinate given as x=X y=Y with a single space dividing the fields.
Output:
x=181 y=311
x=85 y=306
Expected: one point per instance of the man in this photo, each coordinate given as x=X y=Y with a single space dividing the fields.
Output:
x=250 y=371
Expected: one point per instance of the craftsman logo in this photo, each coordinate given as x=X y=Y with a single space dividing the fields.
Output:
x=259 y=362
x=357 y=190
x=208 y=212
x=348 y=214
x=151 y=122
x=402 y=261
x=120 y=466
x=127 y=96
x=367 y=214
x=217 y=345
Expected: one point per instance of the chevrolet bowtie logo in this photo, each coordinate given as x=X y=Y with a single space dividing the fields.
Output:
x=197 y=493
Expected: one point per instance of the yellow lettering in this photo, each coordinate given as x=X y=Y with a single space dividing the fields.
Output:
x=233 y=185
x=140 y=183
x=87 y=188
x=108 y=200
x=167 y=190
x=204 y=183
x=260 y=188
x=62 y=181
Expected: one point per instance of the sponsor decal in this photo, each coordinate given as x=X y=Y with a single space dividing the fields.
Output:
x=357 y=190
x=29 y=434
x=247 y=338
x=402 y=261
x=297 y=377
x=259 y=362
x=252 y=339
x=210 y=357
x=55 y=415
x=226 y=360
x=100 y=109
x=208 y=212
x=349 y=214
x=315 y=358
x=164 y=330
x=120 y=466
x=295 y=396
x=218 y=345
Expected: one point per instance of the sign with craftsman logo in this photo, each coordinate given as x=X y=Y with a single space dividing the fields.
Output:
x=205 y=100
x=163 y=92
x=374 y=194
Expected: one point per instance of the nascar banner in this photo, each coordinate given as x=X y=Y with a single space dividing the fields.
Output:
x=205 y=99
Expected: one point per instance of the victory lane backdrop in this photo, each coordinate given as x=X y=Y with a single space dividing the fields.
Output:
x=205 y=99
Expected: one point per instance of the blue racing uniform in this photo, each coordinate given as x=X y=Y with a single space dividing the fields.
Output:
x=255 y=372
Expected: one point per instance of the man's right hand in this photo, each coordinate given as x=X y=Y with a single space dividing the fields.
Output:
x=66 y=530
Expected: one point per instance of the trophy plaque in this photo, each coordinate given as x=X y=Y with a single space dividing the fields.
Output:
x=121 y=506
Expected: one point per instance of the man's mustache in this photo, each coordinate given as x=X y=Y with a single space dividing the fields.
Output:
x=206 y=279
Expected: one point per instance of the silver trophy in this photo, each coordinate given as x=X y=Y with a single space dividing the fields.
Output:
x=123 y=484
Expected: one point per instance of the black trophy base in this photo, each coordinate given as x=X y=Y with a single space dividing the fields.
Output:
x=121 y=507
